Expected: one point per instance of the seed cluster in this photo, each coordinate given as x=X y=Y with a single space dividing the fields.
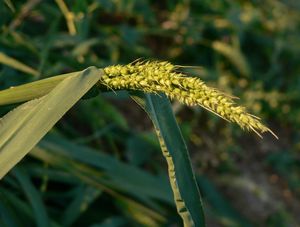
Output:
x=162 y=76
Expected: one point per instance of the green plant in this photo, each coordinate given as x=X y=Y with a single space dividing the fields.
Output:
x=49 y=99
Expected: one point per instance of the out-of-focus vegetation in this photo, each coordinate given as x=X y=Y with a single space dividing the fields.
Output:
x=101 y=165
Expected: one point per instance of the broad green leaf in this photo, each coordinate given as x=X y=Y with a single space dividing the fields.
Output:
x=39 y=210
x=9 y=61
x=23 y=128
x=182 y=179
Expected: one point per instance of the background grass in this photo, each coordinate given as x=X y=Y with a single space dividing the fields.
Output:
x=103 y=153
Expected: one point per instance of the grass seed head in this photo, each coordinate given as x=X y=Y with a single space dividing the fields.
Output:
x=161 y=76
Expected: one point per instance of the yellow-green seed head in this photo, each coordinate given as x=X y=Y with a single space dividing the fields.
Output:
x=161 y=76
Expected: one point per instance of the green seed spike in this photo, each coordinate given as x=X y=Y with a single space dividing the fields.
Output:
x=161 y=76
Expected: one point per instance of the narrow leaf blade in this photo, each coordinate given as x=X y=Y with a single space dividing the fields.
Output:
x=160 y=112
x=7 y=60
x=34 y=197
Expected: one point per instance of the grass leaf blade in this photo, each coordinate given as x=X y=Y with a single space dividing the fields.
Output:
x=32 y=120
x=182 y=178
x=39 y=210
x=6 y=60
x=31 y=90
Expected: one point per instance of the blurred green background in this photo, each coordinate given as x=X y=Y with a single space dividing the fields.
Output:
x=102 y=166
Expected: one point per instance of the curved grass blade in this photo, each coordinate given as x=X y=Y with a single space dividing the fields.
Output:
x=6 y=60
x=182 y=179
x=22 y=211
x=123 y=176
x=39 y=210
x=97 y=179
x=10 y=5
x=84 y=196
x=7 y=216
x=21 y=208
x=22 y=129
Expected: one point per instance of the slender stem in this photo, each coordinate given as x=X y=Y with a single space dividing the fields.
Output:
x=68 y=15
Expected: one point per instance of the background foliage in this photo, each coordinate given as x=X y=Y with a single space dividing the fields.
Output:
x=101 y=165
